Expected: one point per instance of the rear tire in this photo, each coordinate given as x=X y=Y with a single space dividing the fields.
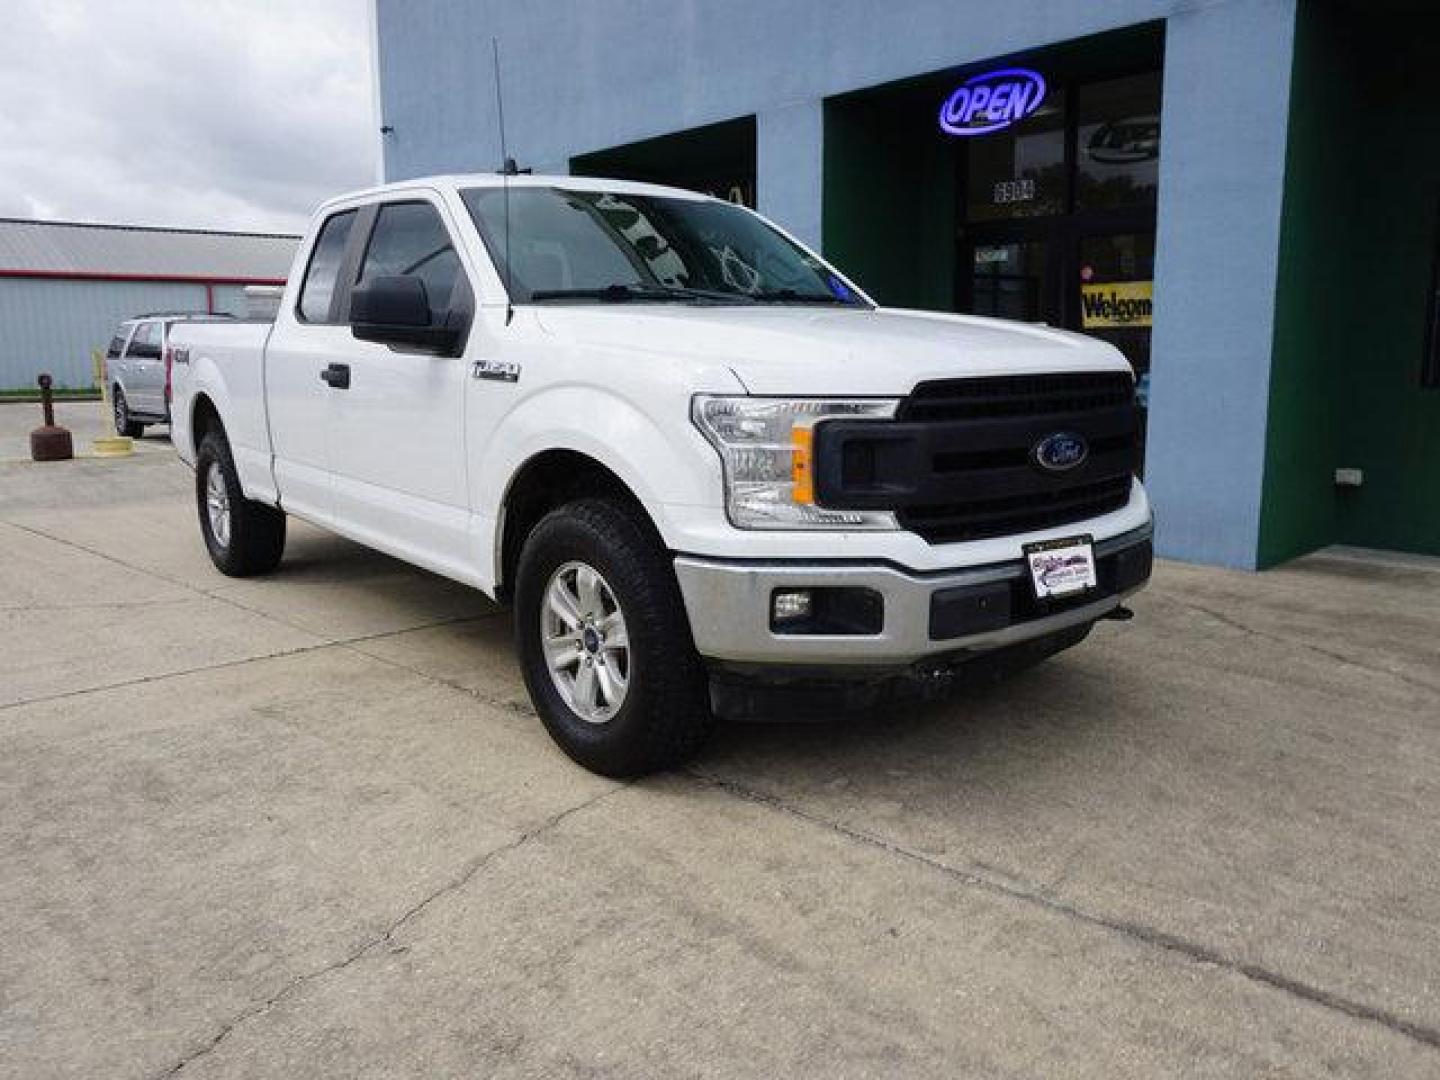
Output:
x=243 y=537
x=123 y=424
x=604 y=642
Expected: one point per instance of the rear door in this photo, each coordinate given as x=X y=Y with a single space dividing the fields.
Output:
x=144 y=380
x=397 y=431
x=309 y=338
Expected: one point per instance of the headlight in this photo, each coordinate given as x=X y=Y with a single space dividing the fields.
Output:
x=766 y=447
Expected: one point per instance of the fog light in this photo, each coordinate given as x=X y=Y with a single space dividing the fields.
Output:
x=834 y=610
x=790 y=604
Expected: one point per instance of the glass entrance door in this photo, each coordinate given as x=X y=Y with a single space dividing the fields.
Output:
x=1056 y=214
x=1010 y=279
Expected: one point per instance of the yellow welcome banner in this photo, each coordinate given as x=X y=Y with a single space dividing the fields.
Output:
x=1116 y=304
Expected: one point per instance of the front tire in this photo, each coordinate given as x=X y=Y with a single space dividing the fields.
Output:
x=604 y=643
x=243 y=537
x=123 y=424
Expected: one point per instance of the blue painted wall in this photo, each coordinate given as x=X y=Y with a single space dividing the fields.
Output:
x=1222 y=176
x=586 y=77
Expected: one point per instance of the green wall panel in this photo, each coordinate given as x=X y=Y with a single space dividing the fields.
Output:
x=1358 y=235
x=1306 y=369
x=889 y=209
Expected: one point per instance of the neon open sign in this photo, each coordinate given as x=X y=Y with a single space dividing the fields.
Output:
x=991 y=101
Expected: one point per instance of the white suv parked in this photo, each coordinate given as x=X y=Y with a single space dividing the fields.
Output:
x=138 y=369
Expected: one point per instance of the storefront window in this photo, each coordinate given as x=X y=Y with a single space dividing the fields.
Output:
x=1118 y=149
x=1020 y=172
x=1117 y=274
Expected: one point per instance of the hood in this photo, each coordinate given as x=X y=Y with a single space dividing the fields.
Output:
x=798 y=350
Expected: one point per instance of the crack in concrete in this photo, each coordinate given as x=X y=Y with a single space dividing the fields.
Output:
x=1299 y=643
x=221 y=665
x=214 y=594
x=375 y=943
x=76 y=546
x=96 y=605
x=1192 y=951
x=519 y=708
x=322 y=641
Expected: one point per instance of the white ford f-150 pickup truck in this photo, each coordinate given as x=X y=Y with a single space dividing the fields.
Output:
x=693 y=457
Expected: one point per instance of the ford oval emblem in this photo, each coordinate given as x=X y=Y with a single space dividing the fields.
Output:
x=1061 y=451
x=991 y=101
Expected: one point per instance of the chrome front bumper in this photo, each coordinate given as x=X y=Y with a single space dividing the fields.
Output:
x=729 y=604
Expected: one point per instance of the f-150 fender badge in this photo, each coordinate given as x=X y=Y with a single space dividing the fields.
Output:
x=495 y=370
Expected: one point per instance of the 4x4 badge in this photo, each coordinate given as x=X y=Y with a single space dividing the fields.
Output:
x=497 y=370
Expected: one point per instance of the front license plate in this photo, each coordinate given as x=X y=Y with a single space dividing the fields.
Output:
x=1061 y=567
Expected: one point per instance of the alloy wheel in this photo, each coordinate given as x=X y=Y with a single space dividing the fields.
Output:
x=586 y=642
x=217 y=504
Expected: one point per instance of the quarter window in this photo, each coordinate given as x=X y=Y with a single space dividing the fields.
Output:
x=143 y=345
x=410 y=239
x=324 y=270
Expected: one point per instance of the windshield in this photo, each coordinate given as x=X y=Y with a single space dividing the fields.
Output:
x=593 y=246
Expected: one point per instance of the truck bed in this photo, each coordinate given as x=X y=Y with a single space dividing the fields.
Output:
x=233 y=350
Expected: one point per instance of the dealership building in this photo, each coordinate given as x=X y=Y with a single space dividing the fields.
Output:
x=1242 y=195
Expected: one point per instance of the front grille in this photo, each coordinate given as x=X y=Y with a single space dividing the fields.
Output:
x=957 y=462
x=1018 y=395
x=980 y=518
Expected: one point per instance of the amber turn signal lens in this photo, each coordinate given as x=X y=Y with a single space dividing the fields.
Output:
x=802 y=475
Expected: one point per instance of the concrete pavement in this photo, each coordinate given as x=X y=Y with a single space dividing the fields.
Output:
x=308 y=826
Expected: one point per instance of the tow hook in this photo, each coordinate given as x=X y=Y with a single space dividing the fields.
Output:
x=1119 y=614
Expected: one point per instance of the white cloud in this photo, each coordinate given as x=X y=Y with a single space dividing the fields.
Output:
x=205 y=113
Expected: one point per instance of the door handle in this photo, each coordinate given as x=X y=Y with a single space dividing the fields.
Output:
x=337 y=376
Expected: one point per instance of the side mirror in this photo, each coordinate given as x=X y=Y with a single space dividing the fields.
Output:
x=394 y=310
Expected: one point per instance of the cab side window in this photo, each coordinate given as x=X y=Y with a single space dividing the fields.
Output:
x=324 y=269
x=410 y=239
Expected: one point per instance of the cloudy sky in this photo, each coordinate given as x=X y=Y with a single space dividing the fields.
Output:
x=204 y=113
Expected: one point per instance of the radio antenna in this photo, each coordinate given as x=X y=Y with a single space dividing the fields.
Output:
x=507 y=170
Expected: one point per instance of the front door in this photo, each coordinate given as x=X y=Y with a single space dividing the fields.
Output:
x=397 y=431
x=305 y=341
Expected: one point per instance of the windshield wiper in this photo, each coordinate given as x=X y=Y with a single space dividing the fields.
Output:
x=790 y=296
x=618 y=293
